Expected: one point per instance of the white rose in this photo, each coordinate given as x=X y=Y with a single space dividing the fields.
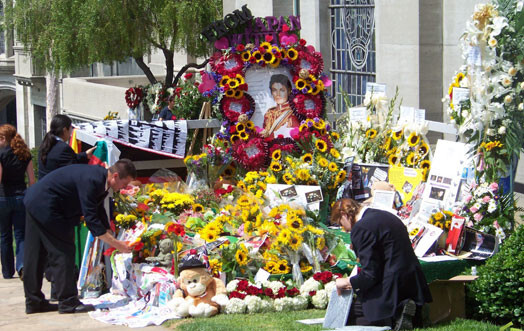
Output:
x=512 y=71
x=522 y=85
x=508 y=99
x=502 y=130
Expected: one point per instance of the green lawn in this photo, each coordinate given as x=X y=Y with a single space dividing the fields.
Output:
x=287 y=321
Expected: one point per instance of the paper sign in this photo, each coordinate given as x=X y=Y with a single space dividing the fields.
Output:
x=412 y=114
x=405 y=180
x=261 y=276
x=459 y=94
x=357 y=114
x=375 y=88
x=474 y=57
x=383 y=199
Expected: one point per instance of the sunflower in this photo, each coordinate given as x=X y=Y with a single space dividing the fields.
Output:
x=234 y=138
x=300 y=84
x=243 y=201
x=268 y=57
x=295 y=241
x=316 y=90
x=305 y=267
x=257 y=56
x=320 y=124
x=387 y=144
x=229 y=171
x=276 y=155
x=438 y=216
x=241 y=257
x=303 y=174
x=321 y=145
x=307 y=158
x=243 y=135
x=241 y=185
x=270 y=266
x=284 y=236
x=341 y=175
x=413 y=139
x=209 y=236
x=323 y=162
x=296 y=224
x=335 y=136
x=333 y=167
x=238 y=94
x=240 y=127
x=224 y=81
x=233 y=83
x=198 y=208
x=398 y=134
x=371 y=133
x=275 y=166
x=302 y=127
x=393 y=159
x=321 y=243
x=426 y=164
x=288 y=178
x=423 y=149
x=410 y=160
x=267 y=46
x=246 y=55
x=282 y=267
x=275 y=63
x=334 y=153
x=230 y=93
x=292 y=54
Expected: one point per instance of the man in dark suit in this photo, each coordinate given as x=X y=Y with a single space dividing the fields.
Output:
x=390 y=284
x=54 y=206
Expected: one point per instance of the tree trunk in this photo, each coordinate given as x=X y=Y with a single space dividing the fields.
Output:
x=147 y=71
x=52 y=93
x=187 y=66
x=170 y=66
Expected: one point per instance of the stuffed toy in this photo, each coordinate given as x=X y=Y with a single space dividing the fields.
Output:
x=200 y=294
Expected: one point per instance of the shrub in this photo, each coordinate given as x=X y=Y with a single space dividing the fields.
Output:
x=499 y=291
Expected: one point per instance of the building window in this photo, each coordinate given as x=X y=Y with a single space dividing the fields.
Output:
x=353 y=61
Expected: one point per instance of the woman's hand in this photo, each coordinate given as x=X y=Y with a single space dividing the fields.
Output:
x=342 y=284
x=90 y=151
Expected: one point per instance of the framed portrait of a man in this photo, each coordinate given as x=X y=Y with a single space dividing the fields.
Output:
x=271 y=89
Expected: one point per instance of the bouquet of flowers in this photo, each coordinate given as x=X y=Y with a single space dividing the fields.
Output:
x=197 y=171
x=406 y=144
x=442 y=219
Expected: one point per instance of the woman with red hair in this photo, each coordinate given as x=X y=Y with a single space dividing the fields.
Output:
x=15 y=162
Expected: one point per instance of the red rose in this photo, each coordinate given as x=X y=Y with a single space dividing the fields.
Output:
x=268 y=292
x=178 y=90
x=292 y=292
x=302 y=42
x=138 y=246
x=188 y=75
x=240 y=47
x=312 y=293
x=142 y=206
x=242 y=285
x=281 y=292
x=192 y=251
x=236 y=294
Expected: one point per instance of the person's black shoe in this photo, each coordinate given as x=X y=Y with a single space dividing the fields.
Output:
x=81 y=308
x=44 y=308
x=405 y=320
x=53 y=299
x=21 y=274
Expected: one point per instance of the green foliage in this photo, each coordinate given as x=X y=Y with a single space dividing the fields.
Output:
x=70 y=34
x=499 y=290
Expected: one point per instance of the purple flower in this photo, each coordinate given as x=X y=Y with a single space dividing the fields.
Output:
x=304 y=90
x=309 y=124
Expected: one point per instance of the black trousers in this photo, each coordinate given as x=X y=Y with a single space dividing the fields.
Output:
x=58 y=248
x=356 y=316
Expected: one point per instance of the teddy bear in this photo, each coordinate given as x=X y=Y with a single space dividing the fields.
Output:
x=200 y=294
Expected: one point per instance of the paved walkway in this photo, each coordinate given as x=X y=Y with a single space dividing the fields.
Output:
x=13 y=316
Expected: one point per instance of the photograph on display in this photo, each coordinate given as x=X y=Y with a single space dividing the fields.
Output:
x=289 y=192
x=271 y=89
x=363 y=177
x=437 y=193
x=314 y=196
x=481 y=245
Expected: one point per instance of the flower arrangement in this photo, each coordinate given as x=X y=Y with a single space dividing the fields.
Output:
x=487 y=210
x=134 y=96
x=490 y=117
x=441 y=219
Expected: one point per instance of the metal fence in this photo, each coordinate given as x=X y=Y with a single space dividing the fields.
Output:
x=353 y=61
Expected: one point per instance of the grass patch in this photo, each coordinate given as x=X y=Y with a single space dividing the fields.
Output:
x=287 y=321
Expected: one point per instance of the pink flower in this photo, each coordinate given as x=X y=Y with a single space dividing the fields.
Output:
x=486 y=199
x=474 y=209
x=496 y=224
x=494 y=187
x=470 y=224
x=478 y=217
x=468 y=198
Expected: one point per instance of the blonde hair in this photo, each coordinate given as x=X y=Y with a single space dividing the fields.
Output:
x=16 y=142
x=344 y=207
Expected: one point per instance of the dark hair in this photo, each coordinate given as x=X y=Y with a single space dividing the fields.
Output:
x=171 y=97
x=124 y=168
x=344 y=207
x=58 y=124
x=16 y=142
x=282 y=79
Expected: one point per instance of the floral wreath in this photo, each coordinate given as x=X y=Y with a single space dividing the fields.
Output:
x=307 y=105
x=233 y=107
x=252 y=153
x=134 y=96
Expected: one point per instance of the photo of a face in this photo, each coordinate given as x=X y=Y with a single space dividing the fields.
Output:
x=314 y=196
x=280 y=92
x=437 y=193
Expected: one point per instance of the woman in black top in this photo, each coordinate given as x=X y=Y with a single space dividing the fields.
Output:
x=15 y=162
x=55 y=152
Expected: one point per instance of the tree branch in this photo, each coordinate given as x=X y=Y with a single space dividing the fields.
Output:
x=147 y=71
x=170 y=66
x=187 y=66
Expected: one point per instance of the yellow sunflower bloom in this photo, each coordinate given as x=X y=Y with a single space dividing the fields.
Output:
x=300 y=84
x=335 y=136
x=243 y=135
x=230 y=93
x=250 y=125
x=303 y=174
x=234 y=138
x=198 y=208
x=398 y=134
x=282 y=267
x=307 y=158
x=371 y=133
x=241 y=257
x=413 y=139
x=341 y=175
x=334 y=153
x=426 y=164
x=224 y=81
x=246 y=55
x=321 y=145
x=333 y=167
x=410 y=160
x=243 y=201
x=275 y=166
x=296 y=224
x=305 y=267
x=295 y=241
x=240 y=127
x=276 y=155
x=323 y=162
x=288 y=178
x=422 y=149
x=292 y=54
x=209 y=236
x=393 y=159
x=321 y=243
x=265 y=45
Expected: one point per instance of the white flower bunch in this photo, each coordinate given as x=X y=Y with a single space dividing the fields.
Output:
x=236 y=306
x=232 y=285
x=254 y=304
x=320 y=299
x=283 y=304
x=300 y=302
x=329 y=288
x=310 y=285
x=275 y=286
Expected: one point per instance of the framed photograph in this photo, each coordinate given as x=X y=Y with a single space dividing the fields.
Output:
x=289 y=192
x=446 y=181
x=437 y=193
x=439 y=179
x=314 y=196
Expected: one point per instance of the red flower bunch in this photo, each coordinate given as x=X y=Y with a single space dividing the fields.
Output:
x=221 y=191
x=228 y=64
x=253 y=290
x=308 y=105
x=292 y=292
x=177 y=229
x=232 y=108
x=189 y=75
x=236 y=294
x=323 y=277
x=253 y=153
x=242 y=285
x=138 y=246
x=134 y=96
x=311 y=61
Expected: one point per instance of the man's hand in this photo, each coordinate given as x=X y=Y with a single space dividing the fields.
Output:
x=120 y=245
x=342 y=284
x=90 y=152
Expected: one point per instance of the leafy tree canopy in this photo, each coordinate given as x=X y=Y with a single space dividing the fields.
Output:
x=70 y=34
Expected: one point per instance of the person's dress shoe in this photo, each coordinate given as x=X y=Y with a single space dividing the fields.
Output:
x=21 y=274
x=405 y=320
x=81 y=308
x=44 y=308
